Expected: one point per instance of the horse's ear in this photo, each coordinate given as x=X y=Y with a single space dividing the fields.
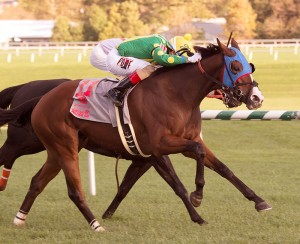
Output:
x=235 y=44
x=226 y=51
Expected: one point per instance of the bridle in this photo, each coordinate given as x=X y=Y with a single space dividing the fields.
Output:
x=232 y=96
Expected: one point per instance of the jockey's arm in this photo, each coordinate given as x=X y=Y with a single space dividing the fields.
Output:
x=162 y=58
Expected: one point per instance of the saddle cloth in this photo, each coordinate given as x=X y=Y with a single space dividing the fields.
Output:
x=90 y=102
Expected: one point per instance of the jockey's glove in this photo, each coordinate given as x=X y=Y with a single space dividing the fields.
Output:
x=194 y=58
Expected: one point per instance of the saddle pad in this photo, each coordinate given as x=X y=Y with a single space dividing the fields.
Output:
x=90 y=102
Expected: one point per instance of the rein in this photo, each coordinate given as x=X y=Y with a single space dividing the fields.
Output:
x=211 y=78
x=231 y=96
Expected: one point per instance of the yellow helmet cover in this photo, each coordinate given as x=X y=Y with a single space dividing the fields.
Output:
x=182 y=45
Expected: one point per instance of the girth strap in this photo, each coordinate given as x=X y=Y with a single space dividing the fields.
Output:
x=127 y=135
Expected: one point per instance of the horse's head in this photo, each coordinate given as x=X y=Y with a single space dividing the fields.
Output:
x=238 y=82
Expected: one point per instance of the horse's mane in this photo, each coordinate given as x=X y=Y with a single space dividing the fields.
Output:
x=209 y=51
x=206 y=52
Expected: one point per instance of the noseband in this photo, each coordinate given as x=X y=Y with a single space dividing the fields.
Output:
x=232 y=96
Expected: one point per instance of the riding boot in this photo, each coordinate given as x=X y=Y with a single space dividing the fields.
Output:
x=116 y=94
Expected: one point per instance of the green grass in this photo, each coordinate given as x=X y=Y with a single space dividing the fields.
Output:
x=21 y=70
x=264 y=154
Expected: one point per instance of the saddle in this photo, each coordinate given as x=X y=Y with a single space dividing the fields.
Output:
x=90 y=103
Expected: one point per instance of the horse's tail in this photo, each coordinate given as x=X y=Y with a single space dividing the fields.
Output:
x=19 y=115
x=7 y=95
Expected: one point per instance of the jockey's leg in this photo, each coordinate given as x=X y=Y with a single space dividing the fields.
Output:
x=116 y=94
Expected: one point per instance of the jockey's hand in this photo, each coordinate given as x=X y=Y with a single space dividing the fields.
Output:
x=194 y=58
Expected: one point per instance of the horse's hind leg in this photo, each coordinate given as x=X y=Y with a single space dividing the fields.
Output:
x=8 y=155
x=133 y=173
x=164 y=167
x=14 y=147
x=38 y=183
x=213 y=163
x=76 y=194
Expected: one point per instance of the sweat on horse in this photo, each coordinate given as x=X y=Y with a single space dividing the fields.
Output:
x=172 y=124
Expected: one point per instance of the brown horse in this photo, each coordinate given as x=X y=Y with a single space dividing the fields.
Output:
x=171 y=124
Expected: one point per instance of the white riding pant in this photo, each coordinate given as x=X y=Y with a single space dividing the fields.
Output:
x=123 y=66
x=98 y=58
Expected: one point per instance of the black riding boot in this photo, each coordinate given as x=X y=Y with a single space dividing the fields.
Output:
x=117 y=94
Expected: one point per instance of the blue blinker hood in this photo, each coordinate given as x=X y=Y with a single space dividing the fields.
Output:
x=229 y=78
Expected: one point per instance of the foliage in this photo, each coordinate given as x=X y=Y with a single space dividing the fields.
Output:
x=125 y=18
x=64 y=30
x=277 y=19
x=44 y=9
x=124 y=21
x=96 y=19
x=240 y=18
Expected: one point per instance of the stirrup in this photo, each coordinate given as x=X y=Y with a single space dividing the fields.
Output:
x=115 y=97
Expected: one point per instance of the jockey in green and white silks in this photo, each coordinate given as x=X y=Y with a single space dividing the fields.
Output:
x=138 y=57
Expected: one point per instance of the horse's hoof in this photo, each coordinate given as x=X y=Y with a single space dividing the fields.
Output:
x=262 y=206
x=19 y=222
x=100 y=229
x=195 y=199
x=96 y=226
x=202 y=222
x=2 y=188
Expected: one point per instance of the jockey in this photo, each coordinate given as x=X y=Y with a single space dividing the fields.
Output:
x=138 y=57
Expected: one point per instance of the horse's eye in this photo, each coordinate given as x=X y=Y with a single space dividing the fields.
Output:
x=236 y=67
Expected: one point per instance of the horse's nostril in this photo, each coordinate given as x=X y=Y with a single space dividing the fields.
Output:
x=255 y=99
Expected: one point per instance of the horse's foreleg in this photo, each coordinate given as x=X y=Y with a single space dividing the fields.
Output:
x=164 y=167
x=193 y=149
x=133 y=173
x=38 y=183
x=213 y=163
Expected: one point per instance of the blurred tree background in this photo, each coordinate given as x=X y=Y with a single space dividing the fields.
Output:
x=92 y=20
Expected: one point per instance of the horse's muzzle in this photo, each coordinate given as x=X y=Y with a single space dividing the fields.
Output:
x=255 y=99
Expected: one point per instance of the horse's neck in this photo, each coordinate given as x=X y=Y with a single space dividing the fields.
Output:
x=191 y=86
x=212 y=65
x=184 y=85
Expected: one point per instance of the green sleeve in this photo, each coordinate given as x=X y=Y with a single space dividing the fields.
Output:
x=164 y=59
